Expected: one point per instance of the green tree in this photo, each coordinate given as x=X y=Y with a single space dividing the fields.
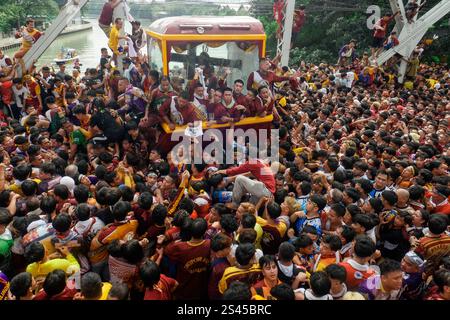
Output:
x=331 y=24
x=13 y=13
x=9 y=16
x=270 y=27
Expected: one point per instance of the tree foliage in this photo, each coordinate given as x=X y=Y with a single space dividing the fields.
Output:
x=329 y=26
x=13 y=13
x=270 y=27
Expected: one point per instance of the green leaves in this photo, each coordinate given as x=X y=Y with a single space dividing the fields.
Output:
x=14 y=13
x=331 y=24
x=8 y=16
x=270 y=26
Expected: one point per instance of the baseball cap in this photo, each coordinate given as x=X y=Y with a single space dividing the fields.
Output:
x=68 y=182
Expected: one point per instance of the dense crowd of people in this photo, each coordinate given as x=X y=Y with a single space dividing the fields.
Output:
x=92 y=208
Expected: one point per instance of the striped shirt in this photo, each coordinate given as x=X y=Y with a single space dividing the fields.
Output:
x=249 y=276
x=434 y=249
x=272 y=233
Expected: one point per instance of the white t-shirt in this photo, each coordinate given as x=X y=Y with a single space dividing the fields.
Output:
x=4 y=62
x=344 y=82
x=82 y=226
x=309 y=295
x=371 y=234
x=20 y=95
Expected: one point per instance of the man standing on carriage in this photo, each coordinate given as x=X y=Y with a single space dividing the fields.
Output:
x=265 y=77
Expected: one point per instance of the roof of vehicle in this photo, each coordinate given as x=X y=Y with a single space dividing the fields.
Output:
x=207 y=25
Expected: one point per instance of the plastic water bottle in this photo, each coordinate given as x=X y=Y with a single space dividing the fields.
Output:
x=223 y=196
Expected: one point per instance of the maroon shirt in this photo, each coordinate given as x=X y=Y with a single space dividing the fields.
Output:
x=143 y=217
x=260 y=106
x=154 y=231
x=259 y=170
x=211 y=107
x=218 y=267
x=269 y=76
x=381 y=33
x=159 y=97
x=66 y=294
x=188 y=113
x=106 y=16
x=173 y=234
x=240 y=99
x=201 y=101
x=219 y=111
x=235 y=113
x=192 y=262
x=60 y=205
x=299 y=20
x=251 y=108
x=162 y=291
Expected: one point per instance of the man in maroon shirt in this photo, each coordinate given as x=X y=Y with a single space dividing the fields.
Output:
x=215 y=109
x=225 y=108
x=263 y=185
x=192 y=260
x=238 y=96
x=250 y=99
x=238 y=86
x=178 y=111
x=158 y=96
x=106 y=16
x=236 y=110
x=299 y=21
x=379 y=34
x=265 y=104
x=264 y=77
